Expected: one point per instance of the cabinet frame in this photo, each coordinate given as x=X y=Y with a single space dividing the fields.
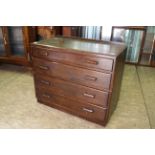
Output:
x=140 y=28
x=151 y=54
x=29 y=35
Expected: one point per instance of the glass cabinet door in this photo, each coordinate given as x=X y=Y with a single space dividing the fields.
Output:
x=87 y=32
x=2 y=47
x=133 y=40
x=16 y=40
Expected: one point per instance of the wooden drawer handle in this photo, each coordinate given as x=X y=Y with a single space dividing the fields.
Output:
x=89 y=95
x=91 y=61
x=43 y=67
x=88 y=110
x=45 y=82
x=91 y=78
x=46 y=95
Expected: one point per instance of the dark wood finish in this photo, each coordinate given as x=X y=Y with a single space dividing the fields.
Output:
x=6 y=42
x=15 y=60
x=87 y=47
x=78 y=75
x=58 y=30
x=63 y=79
x=74 y=59
x=116 y=84
x=29 y=36
x=66 y=31
x=131 y=27
x=72 y=91
x=84 y=110
x=142 y=45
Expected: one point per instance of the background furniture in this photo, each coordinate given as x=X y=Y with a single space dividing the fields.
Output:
x=15 y=44
x=148 y=51
x=133 y=37
x=139 y=40
x=80 y=76
x=46 y=32
x=140 y=43
x=15 y=40
x=85 y=32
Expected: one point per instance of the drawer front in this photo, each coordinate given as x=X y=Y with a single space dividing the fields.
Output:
x=91 y=62
x=72 y=91
x=81 y=76
x=85 y=110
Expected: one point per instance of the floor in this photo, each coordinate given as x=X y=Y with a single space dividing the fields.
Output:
x=19 y=108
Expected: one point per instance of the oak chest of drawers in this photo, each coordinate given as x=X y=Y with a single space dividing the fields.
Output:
x=81 y=77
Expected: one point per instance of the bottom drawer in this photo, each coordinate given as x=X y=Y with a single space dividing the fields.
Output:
x=84 y=110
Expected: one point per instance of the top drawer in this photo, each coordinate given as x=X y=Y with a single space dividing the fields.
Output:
x=91 y=62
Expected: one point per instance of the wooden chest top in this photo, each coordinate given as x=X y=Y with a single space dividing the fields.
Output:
x=83 y=45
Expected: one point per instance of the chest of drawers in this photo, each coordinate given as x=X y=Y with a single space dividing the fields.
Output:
x=81 y=77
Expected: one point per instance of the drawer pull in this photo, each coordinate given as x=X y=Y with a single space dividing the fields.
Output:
x=45 y=82
x=91 y=62
x=43 y=67
x=91 y=78
x=88 y=110
x=89 y=95
x=46 y=95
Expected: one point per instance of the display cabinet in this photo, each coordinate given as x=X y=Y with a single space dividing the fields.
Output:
x=85 y=32
x=16 y=40
x=2 y=48
x=148 y=52
x=14 y=44
x=133 y=37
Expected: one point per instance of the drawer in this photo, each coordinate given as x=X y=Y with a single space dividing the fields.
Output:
x=85 y=110
x=94 y=79
x=60 y=55
x=72 y=91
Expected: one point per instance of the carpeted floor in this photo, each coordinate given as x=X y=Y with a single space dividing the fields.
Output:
x=19 y=108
